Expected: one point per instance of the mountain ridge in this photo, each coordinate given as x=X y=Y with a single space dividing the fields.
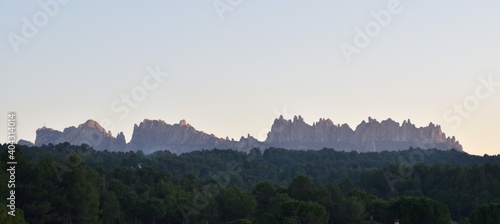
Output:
x=154 y=135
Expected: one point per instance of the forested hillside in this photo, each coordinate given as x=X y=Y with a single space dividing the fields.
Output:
x=76 y=184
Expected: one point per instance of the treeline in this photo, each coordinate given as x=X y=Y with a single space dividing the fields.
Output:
x=76 y=184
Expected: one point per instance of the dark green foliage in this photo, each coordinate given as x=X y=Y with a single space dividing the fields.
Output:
x=240 y=221
x=351 y=210
x=110 y=206
x=75 y=184
x=263 y=192
x=486 y=214
x=8 y=219
x=303 y=212
x=235 y=203
x=460 y=188
x=302 y=188
x=414 y=210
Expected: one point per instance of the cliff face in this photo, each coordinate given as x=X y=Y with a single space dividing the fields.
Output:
x=46 y=135
x=90 y=133
x=153 y=135
x=368 y=136
x=297 y=130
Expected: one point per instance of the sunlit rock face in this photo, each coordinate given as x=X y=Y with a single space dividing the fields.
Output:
x=90 y=133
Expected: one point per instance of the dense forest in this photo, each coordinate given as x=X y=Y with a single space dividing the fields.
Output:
x=76 y=184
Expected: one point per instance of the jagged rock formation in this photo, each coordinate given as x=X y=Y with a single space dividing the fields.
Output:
x=153 y=135
x=90 y=133
x=368 y=136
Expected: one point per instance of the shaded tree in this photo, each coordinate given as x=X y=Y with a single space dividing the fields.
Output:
x=413 y=210
x=486 y=214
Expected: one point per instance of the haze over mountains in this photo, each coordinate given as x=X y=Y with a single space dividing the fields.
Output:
x=154 y=135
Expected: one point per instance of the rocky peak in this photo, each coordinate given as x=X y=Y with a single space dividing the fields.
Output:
x=371 y=120
x=147 y=123
x=183 y=123
x=90 y=133
x=91 y=124
x=44 y=128
x=46 y=135
x=323 y=122
x=120 y=136
x=25 y=142
x=298 y=119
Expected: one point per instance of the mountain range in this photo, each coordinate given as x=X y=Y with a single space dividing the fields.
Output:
x=154 y=135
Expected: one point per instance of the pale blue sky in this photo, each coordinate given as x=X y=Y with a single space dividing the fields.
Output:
x=233 y=77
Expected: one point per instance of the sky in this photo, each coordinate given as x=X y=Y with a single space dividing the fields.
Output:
x=230 y=67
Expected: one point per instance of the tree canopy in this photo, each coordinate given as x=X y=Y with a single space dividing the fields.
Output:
x=76 y=184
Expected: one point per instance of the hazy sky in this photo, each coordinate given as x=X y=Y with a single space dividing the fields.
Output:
x=70 y=61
